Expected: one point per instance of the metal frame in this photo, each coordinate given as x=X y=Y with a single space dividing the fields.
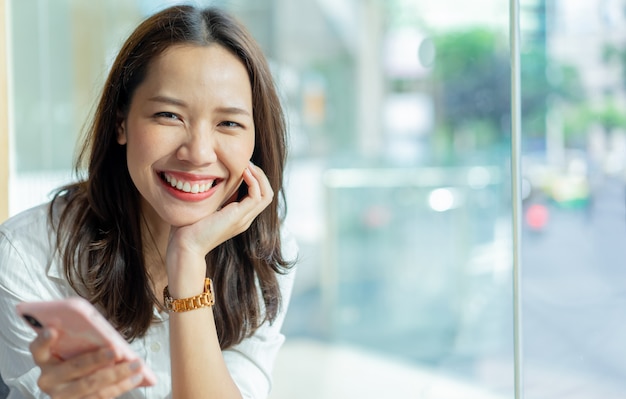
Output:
x=4 y=113
x=516 y=188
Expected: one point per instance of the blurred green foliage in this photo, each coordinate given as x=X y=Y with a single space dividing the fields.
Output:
x=472 y=88
x=604 y=112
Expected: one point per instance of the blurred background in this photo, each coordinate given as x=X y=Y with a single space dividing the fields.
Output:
x=399 y=182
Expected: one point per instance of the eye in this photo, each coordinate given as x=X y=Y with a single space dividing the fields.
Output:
x=230 y=124
x=166 y=115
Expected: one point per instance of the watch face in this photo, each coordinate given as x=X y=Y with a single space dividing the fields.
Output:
x=208 y=287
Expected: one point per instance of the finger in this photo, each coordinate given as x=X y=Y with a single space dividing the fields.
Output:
x=53 y=375
x=256 y=200
x=113 y=391
x=41 y=347
x=108 y=382
x=252 y=182
x=258 y=183
x=240 y=215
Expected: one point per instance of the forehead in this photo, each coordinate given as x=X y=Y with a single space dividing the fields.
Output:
x=194 y=72
x=197 y=58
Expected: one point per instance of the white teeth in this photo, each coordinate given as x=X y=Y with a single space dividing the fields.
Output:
x=186 y=186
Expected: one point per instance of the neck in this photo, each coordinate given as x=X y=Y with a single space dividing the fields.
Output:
x=155 y=238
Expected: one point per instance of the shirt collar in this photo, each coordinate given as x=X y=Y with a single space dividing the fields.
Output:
x=55 y=269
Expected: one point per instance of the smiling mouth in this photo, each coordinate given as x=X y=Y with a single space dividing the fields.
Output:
x=188 y=187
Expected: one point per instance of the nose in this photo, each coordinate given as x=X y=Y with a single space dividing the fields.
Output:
x=198 y=147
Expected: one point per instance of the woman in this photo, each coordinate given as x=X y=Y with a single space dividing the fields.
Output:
x=184 y=155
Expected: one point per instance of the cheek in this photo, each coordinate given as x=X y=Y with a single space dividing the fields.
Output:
x=147 y=143
x=136 y=153
x=238 y=163
x=250 y=151
x=239 y=155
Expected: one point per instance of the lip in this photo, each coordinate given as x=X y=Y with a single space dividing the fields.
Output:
x=191 y=178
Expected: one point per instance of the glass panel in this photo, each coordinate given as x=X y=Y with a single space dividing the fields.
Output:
x=398 y=193
x=574 y=129
x=397 y=186
x=60 y=52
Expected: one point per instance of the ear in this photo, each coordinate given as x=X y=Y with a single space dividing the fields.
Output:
x=120 y=126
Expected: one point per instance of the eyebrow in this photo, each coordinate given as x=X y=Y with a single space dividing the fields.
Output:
x=233 y=110
x=168 y=100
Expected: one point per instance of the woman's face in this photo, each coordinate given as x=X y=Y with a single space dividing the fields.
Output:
x=189 y=133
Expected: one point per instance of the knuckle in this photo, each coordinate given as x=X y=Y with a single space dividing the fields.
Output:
x=110 y=392
x=34 y=348
x=44 y=383
x=87 y=383
x=101 y=395
x=78 y=362
x=86 y=360
x=269 y=194
x=121 y=371
x=93 y=384
x=97 y=395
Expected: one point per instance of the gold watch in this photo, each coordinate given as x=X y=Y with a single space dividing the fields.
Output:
x=195 y=302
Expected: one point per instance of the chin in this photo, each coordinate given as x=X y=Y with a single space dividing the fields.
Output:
x=188 y=218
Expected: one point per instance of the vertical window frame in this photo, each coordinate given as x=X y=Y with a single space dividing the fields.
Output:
x=516 y=193
x=4 y=114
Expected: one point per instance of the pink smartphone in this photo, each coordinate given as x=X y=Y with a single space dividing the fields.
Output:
x=81 y=329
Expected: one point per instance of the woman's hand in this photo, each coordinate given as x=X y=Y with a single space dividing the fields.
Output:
x=90 y=375
x=196 y=240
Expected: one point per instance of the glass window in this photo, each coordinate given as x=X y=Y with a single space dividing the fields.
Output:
x=60 y=52
x=574 y=226
x=400 y=200
x=399 y=182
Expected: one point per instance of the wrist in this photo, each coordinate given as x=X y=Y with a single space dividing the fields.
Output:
x=185 y=276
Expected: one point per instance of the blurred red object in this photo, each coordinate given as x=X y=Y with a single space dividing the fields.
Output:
x=537 y=216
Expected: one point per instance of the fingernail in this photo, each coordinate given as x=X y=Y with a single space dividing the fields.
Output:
x=109 y=354
x=134 y=365
x=136 y=379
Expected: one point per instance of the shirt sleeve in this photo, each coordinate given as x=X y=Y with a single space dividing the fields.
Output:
x=251 y=362
x=16 y=365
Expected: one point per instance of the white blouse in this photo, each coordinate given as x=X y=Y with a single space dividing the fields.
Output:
x=30 y=270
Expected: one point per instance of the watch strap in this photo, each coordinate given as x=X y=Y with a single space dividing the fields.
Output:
x=203 y=300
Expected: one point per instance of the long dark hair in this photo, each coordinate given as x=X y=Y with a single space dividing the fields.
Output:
x=99 y=229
